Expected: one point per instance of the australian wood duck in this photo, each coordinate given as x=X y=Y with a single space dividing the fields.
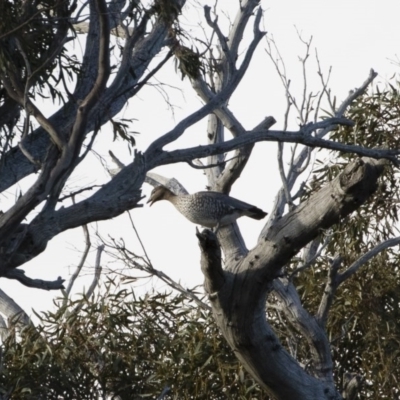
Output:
x=209 y=209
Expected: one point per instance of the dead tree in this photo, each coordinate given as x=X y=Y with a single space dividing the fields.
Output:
x=33 y=42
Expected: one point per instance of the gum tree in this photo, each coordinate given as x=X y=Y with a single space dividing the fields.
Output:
x=252 y=293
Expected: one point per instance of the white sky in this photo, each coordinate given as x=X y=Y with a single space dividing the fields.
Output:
x=351 y=36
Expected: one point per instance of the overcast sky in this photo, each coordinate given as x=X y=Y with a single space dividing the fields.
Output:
x=351 y=36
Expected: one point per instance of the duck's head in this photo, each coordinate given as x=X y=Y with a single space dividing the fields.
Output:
x=159 y=193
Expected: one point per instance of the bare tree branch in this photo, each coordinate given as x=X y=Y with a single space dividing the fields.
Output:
x=131 y=260
x=329 y=291
x=20 y=276
x=300 y=136
x=295 y=168
x=366 y=257
x=240 y=302
x=238 y=280
x=81 y=262
x=97 y=273
x=11 y=309
x=308 y=326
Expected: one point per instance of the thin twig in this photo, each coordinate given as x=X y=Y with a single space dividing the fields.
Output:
x=79 y=191
x=283 y=176
x=324 y=88
x=139 y=239
x=218 y=164
x=81 y=263
x=128 y=257
x=366 y=257
x=310 y=262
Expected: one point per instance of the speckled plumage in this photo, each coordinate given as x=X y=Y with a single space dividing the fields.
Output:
x=210 y=209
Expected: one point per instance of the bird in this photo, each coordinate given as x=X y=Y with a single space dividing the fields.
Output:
x=209 y=209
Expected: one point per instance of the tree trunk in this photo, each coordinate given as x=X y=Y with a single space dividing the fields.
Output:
x=238 y=293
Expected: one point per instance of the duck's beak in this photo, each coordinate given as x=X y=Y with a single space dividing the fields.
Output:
x=151 y=201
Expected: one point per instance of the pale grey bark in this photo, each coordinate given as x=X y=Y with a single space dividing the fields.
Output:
x=14 y=315
x=238 y=292
x=11 y=309
x=123 y=193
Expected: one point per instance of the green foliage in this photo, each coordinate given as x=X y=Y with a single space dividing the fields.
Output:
x=166 y=10
x=118 y=345
x=364 y=322
x=190 y=63
x=33 y=35
x=29 y=34
x=121 y=130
